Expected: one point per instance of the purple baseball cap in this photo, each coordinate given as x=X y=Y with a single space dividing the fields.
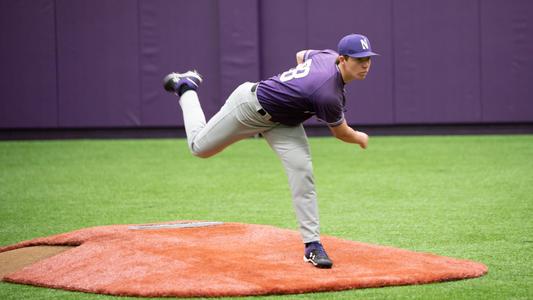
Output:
x=355 y=45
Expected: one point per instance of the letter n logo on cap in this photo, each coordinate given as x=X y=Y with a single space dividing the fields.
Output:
x=364 y=44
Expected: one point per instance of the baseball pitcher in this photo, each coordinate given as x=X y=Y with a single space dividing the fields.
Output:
x=276 y=108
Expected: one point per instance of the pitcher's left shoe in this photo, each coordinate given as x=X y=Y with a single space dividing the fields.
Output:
x=315 y=254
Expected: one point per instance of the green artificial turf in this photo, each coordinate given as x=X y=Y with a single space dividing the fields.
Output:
x=462 y=196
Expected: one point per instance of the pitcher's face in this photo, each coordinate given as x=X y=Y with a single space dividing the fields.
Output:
x=354 y=68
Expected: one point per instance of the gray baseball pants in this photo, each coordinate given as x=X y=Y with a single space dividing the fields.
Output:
x=238 y=119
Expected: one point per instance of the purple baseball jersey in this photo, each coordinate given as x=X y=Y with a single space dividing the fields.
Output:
x=314 y=87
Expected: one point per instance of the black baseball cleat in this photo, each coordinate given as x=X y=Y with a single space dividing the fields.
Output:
x=315 y=254
x=178 y=83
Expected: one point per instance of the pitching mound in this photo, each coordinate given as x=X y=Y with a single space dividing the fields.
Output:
x=206 y=259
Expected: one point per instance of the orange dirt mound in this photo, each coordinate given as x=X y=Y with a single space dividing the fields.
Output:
x=226 y=259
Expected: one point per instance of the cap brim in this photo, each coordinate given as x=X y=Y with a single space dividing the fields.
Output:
x=363 y=54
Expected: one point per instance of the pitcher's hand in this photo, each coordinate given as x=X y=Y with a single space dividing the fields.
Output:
x=362 y=139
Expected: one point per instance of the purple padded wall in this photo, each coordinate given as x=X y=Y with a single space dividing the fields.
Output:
x=100 y=63
x=283 y=32
x=436 y=55
x=239 y=49
x=98 y=54
x=177 y=35
x=507 y=60
x=28 y=67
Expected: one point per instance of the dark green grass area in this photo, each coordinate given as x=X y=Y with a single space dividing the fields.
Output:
x=464 y=196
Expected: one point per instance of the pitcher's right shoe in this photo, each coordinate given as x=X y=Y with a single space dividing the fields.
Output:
x=178 y=83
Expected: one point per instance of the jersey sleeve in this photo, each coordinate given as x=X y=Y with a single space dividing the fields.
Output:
x=309 y=53
x=330 y=111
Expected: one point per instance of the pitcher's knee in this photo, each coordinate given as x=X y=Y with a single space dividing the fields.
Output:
x=201 y=153
x=301 y=166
